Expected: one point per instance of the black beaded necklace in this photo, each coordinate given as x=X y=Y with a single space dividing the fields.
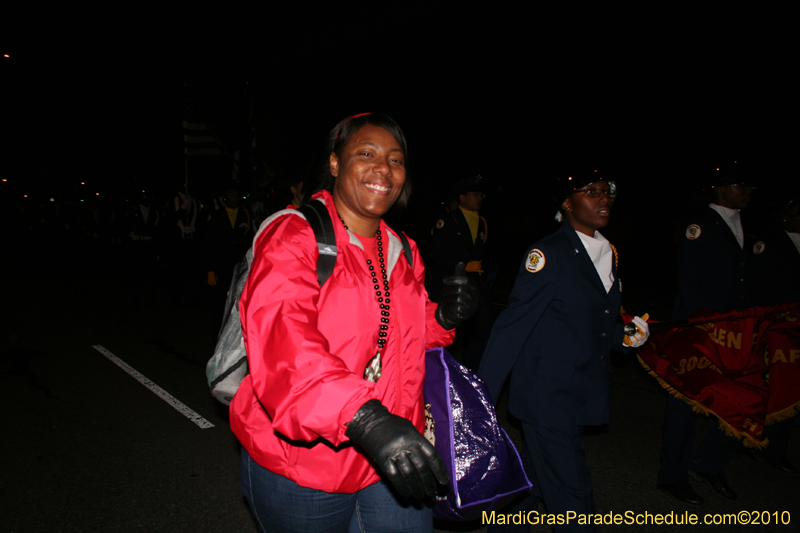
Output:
x=373 y=370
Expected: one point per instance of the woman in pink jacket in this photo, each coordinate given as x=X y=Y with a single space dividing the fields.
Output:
x=331 y=414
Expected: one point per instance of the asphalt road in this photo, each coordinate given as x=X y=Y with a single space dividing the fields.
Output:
x=86 y=447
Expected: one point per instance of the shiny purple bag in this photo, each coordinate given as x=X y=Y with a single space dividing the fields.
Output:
x=485 y=469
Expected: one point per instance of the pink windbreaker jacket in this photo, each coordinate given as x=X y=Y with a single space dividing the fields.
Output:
x=308 y=347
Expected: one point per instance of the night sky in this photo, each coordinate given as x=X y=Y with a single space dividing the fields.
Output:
x=651 y=93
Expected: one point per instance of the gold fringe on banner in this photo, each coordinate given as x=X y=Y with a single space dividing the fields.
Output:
x=748 y=440
x=783 y=414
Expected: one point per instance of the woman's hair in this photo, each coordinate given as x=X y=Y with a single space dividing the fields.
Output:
x=338 y=138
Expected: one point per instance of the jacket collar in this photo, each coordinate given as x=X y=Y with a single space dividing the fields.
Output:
x=394 y=248
x=584 y=261
x=729 y=236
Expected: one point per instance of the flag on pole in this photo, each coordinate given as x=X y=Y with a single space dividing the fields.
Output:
x=248 y=165
x=198 y=140
x=235 y=173
x=256 y=167
x=741 y=366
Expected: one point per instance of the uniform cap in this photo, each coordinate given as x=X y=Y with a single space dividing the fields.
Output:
x=581 y=178
x=471 y=184
x=728 y=174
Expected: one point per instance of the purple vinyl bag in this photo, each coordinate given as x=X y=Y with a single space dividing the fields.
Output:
x=485 y=469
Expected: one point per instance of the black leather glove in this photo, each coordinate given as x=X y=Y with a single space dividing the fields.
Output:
x=460 y=296
x=403 y=456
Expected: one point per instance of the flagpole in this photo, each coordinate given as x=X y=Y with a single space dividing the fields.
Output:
x=185 y=155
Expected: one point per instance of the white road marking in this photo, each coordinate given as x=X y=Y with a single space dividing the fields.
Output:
x=164 y=395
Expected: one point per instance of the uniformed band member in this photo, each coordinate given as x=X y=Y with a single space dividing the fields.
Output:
x=459 y=236
x=775 y=268
x=145 y=229
x=555 y=339
x=712 y=274
x=183 y=253
x=775 y=262
x=230 y=234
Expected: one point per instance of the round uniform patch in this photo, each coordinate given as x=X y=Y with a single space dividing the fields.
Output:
x=440 y=223
x=693 y=232
x=535 y=261
x=759 y=247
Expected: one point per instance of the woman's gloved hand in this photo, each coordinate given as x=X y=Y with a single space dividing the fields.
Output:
x=460 y=297
x=402 y=455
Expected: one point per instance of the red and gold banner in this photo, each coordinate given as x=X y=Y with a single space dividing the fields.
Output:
x=741 y=366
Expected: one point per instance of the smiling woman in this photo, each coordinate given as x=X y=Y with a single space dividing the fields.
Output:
x=340 y=153
x=330 y=416
x=371 y=175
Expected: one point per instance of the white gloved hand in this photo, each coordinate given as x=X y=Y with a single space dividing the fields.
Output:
x=641 y=334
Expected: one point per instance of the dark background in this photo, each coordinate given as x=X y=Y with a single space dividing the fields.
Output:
x=652 y=94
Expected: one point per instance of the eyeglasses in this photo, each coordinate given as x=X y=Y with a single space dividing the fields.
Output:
x=480 y=194
x=595 y=193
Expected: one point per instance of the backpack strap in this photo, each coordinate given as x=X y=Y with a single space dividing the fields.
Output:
x=320 y=221
x=317 y=216
x=406 y=248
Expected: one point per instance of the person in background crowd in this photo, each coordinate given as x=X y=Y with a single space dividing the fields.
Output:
x=296 y=188
x=258 y=208
x=712 y=274
x=182 y=249
x=331 y=415
x=775 y=262
x=143 y=228
x=460 y=237
x=229 y=235
x=555 y=340
x=775 y=271
x=450 y=203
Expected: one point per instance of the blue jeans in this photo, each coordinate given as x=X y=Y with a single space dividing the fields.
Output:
x=281 y=505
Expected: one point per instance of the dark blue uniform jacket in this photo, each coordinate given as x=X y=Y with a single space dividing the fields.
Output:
x=775 y=271
x=712 y=269
x=555 y=338
x=451 y=243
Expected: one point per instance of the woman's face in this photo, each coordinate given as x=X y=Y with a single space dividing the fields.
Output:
x=369 y=175
x=587 y=214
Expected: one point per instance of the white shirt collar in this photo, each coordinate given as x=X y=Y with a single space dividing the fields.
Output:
x=733 y=218
x=599 y=250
